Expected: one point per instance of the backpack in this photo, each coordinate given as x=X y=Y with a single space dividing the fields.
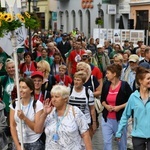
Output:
x=46 y=88
x=3 y=122
x=43 y=135
x=86 y=92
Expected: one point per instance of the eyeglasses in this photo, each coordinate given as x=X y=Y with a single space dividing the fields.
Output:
x=85 y=56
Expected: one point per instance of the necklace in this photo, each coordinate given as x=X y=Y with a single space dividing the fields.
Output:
x=61 y=81
x=58 y=123
x=28 y=68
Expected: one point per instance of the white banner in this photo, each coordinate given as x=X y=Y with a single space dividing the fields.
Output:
x=21 y=34
x=10 y=3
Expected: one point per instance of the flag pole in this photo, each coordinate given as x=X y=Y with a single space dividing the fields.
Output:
x=14 y=45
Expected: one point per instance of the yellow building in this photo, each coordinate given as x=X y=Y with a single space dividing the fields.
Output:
x=140 y=13
x=44 y=11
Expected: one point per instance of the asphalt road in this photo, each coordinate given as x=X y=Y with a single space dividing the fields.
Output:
x=97 y=140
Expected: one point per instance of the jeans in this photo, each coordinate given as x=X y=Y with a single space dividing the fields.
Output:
x=109 y=130
x=38 y=145
x=141 y=143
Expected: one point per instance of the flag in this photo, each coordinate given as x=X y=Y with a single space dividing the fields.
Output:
x=10 y=3
x=21 y=33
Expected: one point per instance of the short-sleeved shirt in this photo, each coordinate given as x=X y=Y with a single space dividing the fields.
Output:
x=7 y=89
x=39 y=97
x=66 y=80
x=29 y=136
x=48 y=59
x=89 y=83
x=3 y=58
x=81 y=100
x=24 y=68
x=74 y=58
x=72 y=125
x=96 y=72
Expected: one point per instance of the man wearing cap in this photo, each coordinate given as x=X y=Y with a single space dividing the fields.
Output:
x=37 y=78
x=64 y=46
x=102 y=59
x=93 y=60
x=126 y=45
x=128 y=73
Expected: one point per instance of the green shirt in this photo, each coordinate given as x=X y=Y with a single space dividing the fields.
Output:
x=48 y=59
x=100 y=65
x=8 y=85
x=3 y=57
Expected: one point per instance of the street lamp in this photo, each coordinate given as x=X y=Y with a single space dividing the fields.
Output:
x=35 y=5
x=99 y=10
x=34 y=10
x=29 y=9
x=99 y=17
x=24 y=6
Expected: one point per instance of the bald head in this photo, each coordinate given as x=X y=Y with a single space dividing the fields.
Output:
x=50 y=45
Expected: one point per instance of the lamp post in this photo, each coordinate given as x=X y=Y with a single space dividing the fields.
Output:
x=35 y=5
x=24 y=6
x=99 y=9
x=29 y=10
x=99 y=16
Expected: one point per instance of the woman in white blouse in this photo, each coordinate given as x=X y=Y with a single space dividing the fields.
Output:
x=65 y=125
x=29 y=114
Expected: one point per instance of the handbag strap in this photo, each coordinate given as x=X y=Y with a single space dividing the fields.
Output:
x=92 y=83
x=73 y=111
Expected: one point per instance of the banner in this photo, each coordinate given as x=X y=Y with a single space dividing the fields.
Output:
x=21 y=34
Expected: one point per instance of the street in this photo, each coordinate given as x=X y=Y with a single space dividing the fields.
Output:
x=98 y=140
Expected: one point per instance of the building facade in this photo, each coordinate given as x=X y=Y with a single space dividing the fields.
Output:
x=140 y=13
x=44 y=10
x=81 y=14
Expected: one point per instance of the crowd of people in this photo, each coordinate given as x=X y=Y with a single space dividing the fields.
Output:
x=59 y=80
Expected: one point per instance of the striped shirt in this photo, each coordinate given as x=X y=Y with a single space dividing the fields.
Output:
x=81 y=100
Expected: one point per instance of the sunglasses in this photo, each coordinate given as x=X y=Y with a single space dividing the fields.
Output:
x=85 y=56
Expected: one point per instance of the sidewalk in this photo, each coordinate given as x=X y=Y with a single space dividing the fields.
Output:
x=97 y=140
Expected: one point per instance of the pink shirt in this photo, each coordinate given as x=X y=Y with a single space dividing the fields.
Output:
x=111 y=100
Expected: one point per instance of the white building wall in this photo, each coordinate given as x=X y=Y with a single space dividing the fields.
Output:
x=70 y=5
x=75 y=5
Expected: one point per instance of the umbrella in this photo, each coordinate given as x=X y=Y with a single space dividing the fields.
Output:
x=121 y=24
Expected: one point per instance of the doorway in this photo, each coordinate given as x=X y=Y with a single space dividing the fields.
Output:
x=141 y=22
